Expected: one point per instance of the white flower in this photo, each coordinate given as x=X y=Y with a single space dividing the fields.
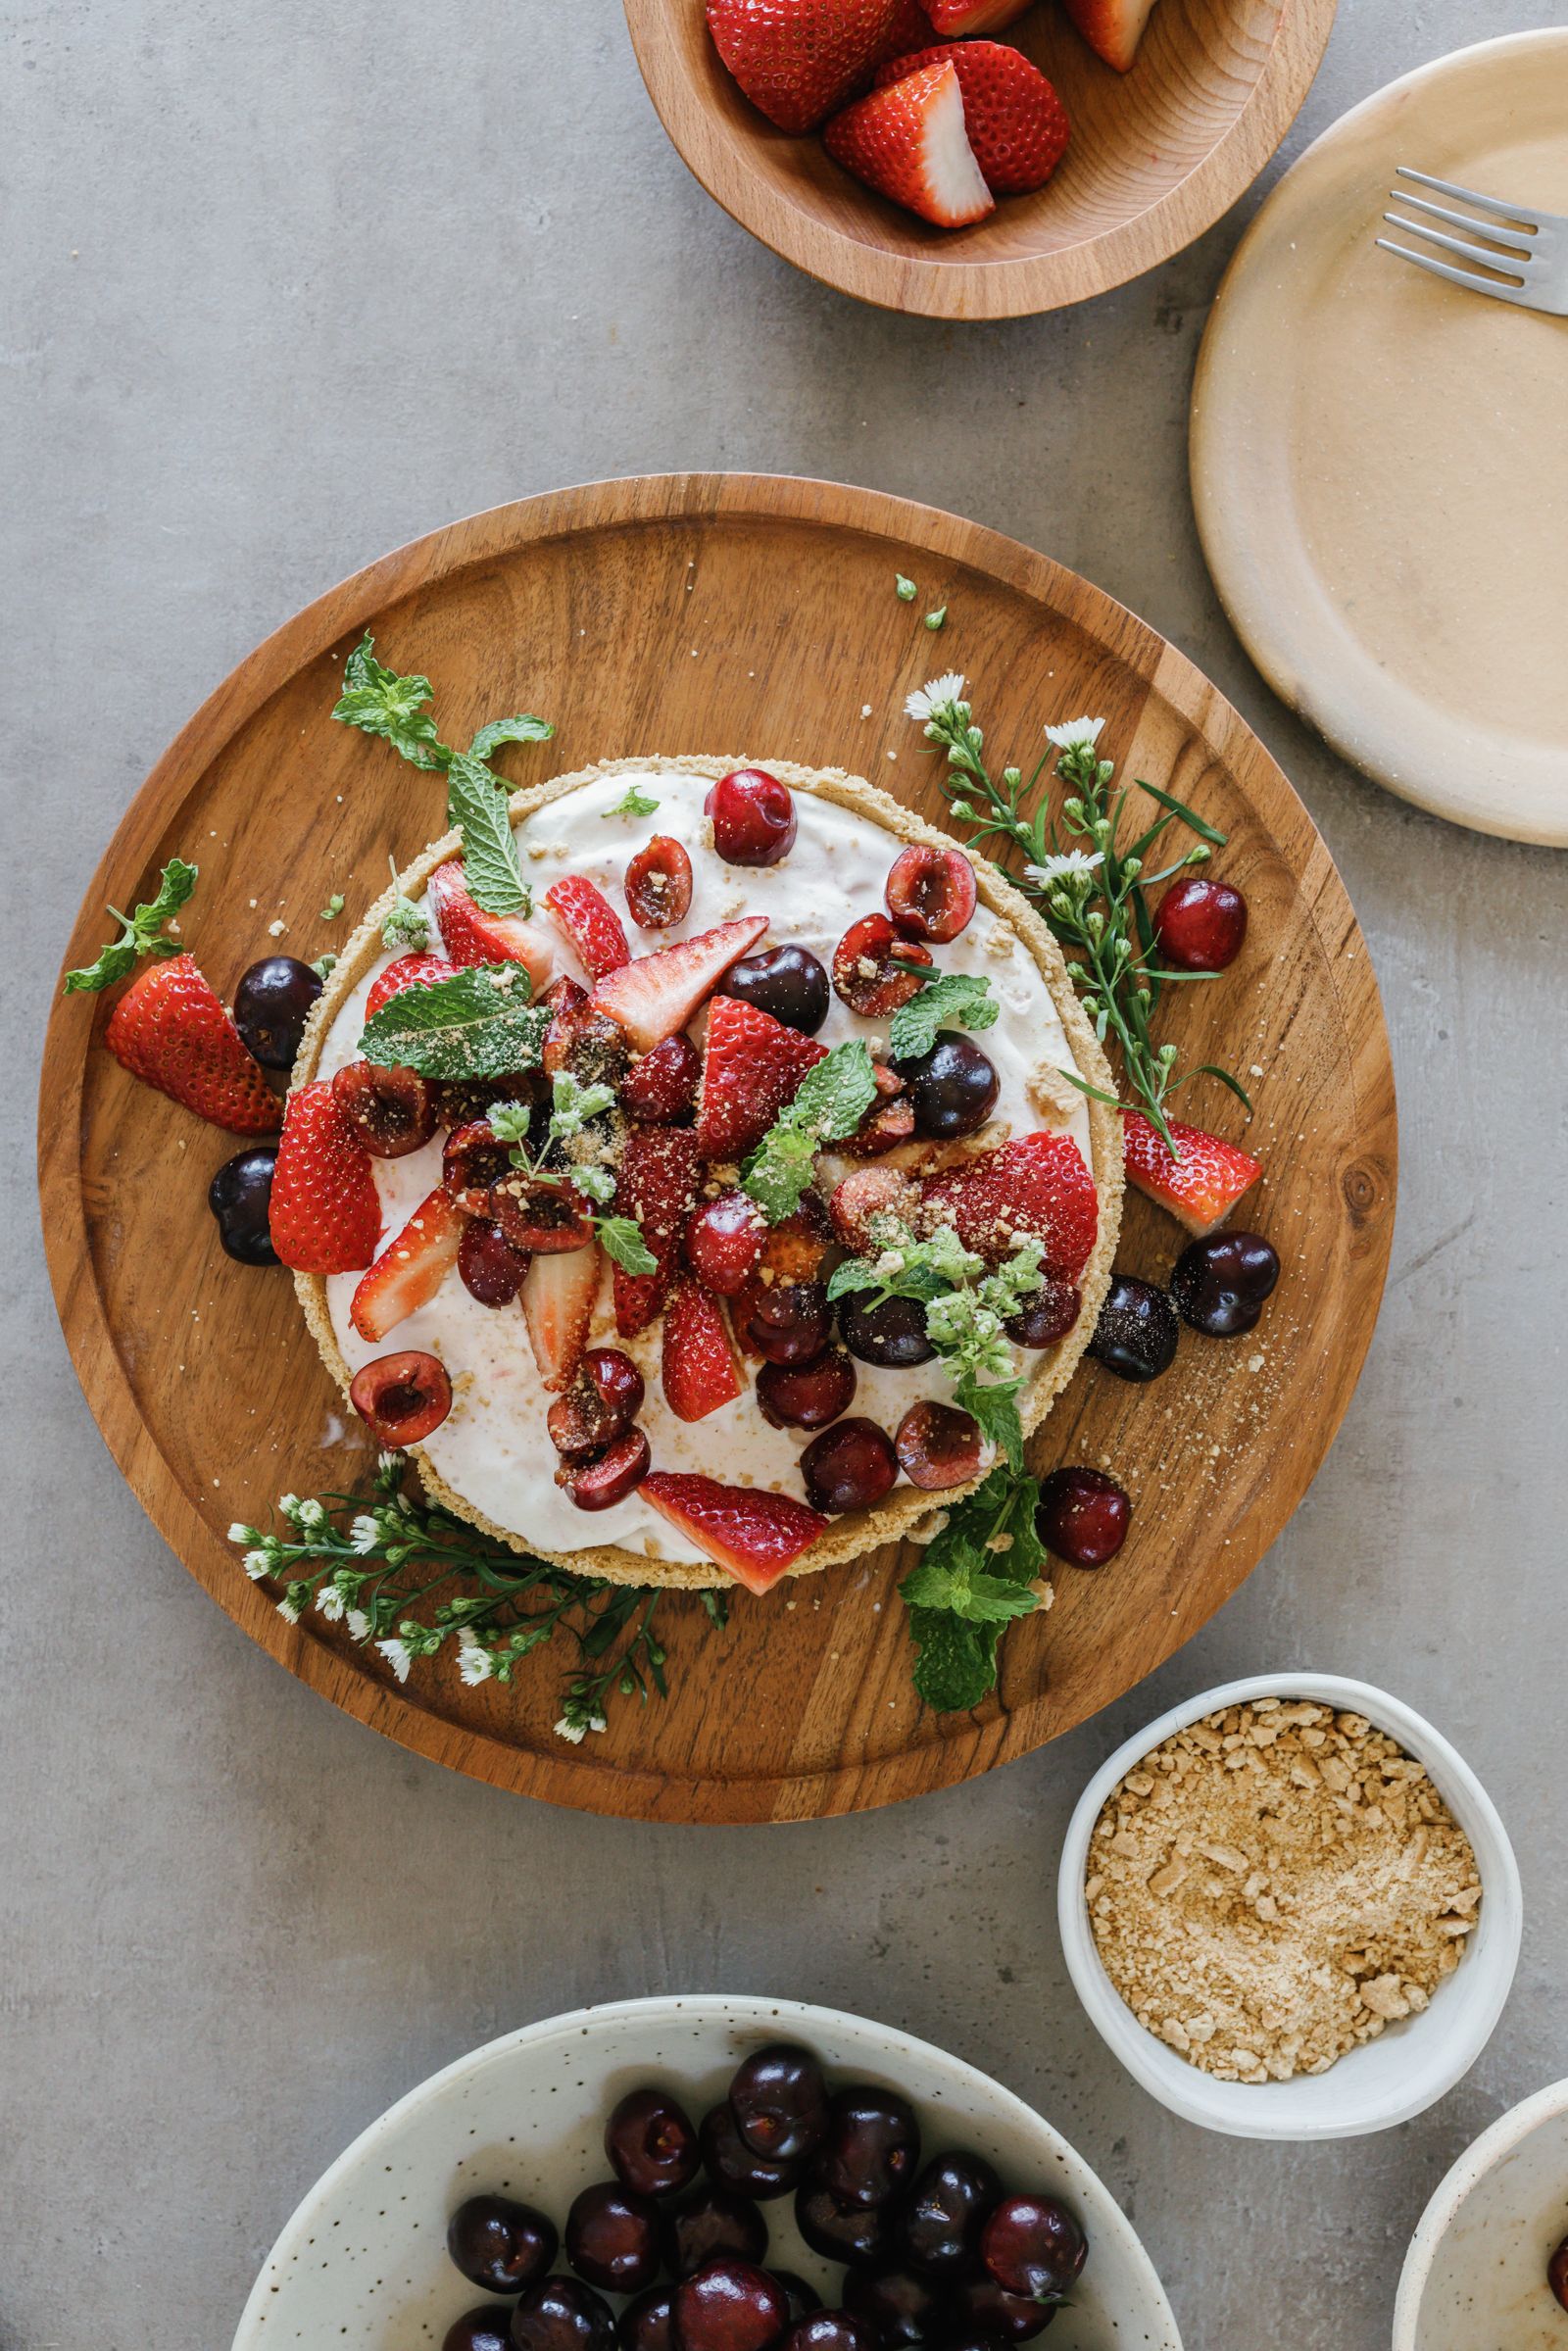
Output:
x=937 y=693
x=358 y=1624
x=577 y=1731
x=1078 y=734
x=474 y=1664
x=312 y=1517
x=288 y=1504
x=239 y=1534
x=364 y=1534
x=257 y=1565
x=329 y=1601
x=287 y=1610
x=1066 y=867
x=387 y=1462
x=398 y=1656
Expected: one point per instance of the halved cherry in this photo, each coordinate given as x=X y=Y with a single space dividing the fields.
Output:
x=581 y=1424
x=473 y=1161
x=938 y=1445
x=601 y=1484
x=547 y=1219
x=754 y=818
x=930 y=893
x=866 y=967
x=391 y=1111
x=659 y=884
x=402 y=1398
x=725 y=1242
x=889 y=1122
x=871 y=1192
x=584 y=1041
x=662 y=1086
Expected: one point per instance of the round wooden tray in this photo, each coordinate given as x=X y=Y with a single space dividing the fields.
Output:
x=1156 y=155
x=677 y=614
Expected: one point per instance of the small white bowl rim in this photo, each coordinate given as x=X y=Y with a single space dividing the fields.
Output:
x=1221 y=2105
x=758 y=2007
x=1458 y=2182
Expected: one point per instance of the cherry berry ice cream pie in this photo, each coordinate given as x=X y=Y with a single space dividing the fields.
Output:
x=725 y=1206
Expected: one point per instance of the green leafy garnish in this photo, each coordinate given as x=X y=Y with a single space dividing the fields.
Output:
x=324 y=966
x=904 y=588
x=833 y=1097
x=572 y=1108
x=622 y=1238
x=140 y=934
x=333 y=907
x=636 y=804
x=477 y=1025
x=378 y=702
x=959 y=999
x=405 y=925
x=978 y=1574
x=524 y=728
x=477 y=807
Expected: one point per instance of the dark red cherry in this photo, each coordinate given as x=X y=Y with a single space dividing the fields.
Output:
x=487 y=2328
x=489 y=1267
x=240 y=1197
x=474 y=1159
x=790 y=982
x=662 y=1086
x=831 y=2330
x=272 y=1005
x=659 y=884
x=501 y=2244
x=939 y=2229
x=953 y=1088
x=1137 y=1331
x=612 y=2237
x=651 y=2143
x=731 y=2162
x=1048 y=1316
x=890 y=1335
x=710 y=2222
x=871 y=968
x=562 y=2314
x=800 y=2298
x=978 y=2307
x=930 y=893
x=1083 y=1516
x=729 y=2305
x=1200 y=925
x=403 y=1399
x=790 y=1323
x=806 y=1395
x=856 y=2234
x=649 y=2323
x=872 y=2148
x=547 y=1219
x=900 y=2307
x=754 y=818
x=608 y=1479
x=780 y=2102
x=1558 y=2273
x=1032 y=2246
x=1220 y=1284
x=851 y=1466
x=864 y=1196
x=724 y=1241
x=938 y=1445
x=392 y=1112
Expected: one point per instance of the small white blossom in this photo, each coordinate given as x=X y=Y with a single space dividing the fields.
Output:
x=329 y=1603
x=386 y=1463
x=239 y=1534
x=474 y=1663
x=358 y=1624
x=937 y=693
x=312 y=1517
x=257 y=1565
x=289 y=1506
x=364 y=1534
x=1077 y=734
x=288 y=1611
x=398 y=1656
x=1066 y=867
x=575 y=1731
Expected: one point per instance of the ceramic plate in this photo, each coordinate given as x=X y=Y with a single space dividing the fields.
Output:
x=1475 y=2277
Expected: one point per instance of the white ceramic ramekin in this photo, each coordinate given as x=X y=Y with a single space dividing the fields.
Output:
x=1476 y=2271
x=1382 y=2081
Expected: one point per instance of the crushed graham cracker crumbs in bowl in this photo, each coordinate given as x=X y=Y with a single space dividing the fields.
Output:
x=1290 y=1909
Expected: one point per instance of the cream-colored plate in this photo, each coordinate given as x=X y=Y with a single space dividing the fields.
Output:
x=1380 y=460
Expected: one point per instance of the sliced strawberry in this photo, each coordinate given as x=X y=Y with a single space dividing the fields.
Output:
x=698 y=1362
x=472 y=936
x=755 y=1533
x=654 y=995
x=170 y=1029
x=1017 y=126
x=408 y=971
x=753 y=1067
x=589 y=924
x=1112 y=28
x=796 y=60
x=953 y=16
x=325 y=1215
x=658 y=1186
x=411 y=1269
x=558 y=1291
x=1203 y=1185
x=1035 y=1187
x=908 y=142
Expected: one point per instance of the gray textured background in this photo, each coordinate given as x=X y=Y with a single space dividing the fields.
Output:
x=284 y=286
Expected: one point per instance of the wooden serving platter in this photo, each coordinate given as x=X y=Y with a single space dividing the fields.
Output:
x=754 y=615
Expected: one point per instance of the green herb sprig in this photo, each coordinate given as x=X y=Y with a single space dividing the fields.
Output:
x=982 y=1570
x=1092 y=887
x=573 y=1107
x=479 y=1024
x=829 y=1104
x=142 y=933
x=411 y=1579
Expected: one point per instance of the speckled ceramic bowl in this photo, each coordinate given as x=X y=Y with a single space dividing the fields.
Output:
x=363 y=2259
x=1475 y=2277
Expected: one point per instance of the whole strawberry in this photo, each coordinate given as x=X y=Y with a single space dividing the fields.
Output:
x=171 y=1030
x=326 y=1214
x=798 y=59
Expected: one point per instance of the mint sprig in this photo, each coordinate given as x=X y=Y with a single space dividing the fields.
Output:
x=634 y=804
x=140 y=934
x=829 y=1104
x=971 y=1582
x=572 y=1107
x=475 y=807
x=959 y=1000
x=477 y=1025
x=378 y=702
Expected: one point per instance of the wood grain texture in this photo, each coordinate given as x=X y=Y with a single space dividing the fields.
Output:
x=1157 y=155
x=675 y=613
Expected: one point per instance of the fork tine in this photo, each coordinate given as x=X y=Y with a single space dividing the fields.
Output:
x=1477 y=228
x=1487 y=204
x=1456 y=278
x=1501 y=261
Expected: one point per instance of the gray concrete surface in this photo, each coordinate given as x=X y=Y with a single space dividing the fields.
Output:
x=284 y=286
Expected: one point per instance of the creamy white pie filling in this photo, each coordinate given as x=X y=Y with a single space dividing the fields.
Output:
x=493 y=1449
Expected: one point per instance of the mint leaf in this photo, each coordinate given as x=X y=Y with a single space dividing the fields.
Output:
x=378 y=702
x=479 y=1024
x=957 y=1663
x=636 y=804
x=996 y=1408
x=140 y=934
x=476 y=806
x=829 y=1104
x=971 y=1580
x=624 y=1239
x=960 y=999
x=524 y=728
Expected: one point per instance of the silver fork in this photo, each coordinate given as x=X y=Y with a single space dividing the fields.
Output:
x=1532 y=263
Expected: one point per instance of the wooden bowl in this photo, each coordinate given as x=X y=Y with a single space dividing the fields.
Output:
x=1156 y=155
